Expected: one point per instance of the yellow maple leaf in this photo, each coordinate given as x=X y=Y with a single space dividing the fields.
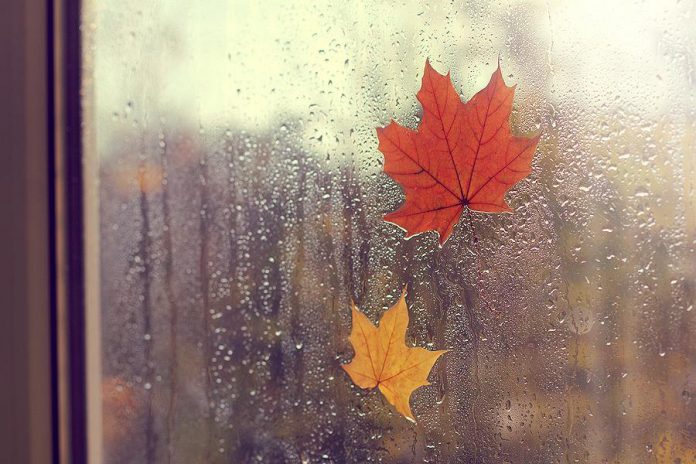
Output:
x=383 y=360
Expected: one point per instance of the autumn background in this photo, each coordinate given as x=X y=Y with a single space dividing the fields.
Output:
x=240 y=210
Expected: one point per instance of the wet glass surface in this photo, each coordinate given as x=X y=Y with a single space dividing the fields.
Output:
x=241 y=204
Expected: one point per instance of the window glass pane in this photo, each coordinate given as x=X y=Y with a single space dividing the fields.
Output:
x=241 y=204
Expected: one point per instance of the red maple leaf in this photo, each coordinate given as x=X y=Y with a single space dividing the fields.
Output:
x=462 y=155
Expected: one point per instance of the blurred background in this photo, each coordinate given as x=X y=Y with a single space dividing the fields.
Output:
x=240 y=203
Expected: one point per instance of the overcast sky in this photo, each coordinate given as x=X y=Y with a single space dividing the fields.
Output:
x=345 y=65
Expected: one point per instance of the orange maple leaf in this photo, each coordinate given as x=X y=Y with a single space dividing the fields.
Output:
x=461 y=155
x=383 y=360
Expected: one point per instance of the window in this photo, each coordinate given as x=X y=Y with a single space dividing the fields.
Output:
x=237 y=208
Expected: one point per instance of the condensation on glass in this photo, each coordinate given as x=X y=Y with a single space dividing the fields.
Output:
x=241 y=204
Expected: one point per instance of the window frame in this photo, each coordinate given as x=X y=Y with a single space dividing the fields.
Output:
x=28 y=428
x=75 y=237
x=42 y=241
